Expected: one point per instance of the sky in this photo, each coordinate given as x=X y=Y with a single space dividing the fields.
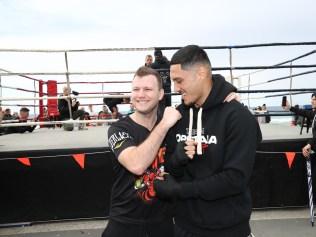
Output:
x=75 y=24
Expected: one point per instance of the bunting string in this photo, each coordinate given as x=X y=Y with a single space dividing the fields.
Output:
x=63 y=155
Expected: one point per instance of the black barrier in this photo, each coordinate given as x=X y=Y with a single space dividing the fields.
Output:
x=273 y=183
x=57 y=188
x=54 y=188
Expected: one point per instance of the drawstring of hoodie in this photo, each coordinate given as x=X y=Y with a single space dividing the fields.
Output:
x=190 y=124
x=198 y=130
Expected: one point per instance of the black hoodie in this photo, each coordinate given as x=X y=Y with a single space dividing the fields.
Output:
x=214 y=197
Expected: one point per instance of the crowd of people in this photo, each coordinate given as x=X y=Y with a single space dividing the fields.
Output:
x=22 y=117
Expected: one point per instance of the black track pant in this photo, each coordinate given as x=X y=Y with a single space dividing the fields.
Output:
x=157 y=229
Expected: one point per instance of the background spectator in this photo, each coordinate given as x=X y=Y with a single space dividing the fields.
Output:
x=23 y=117
x=7 y=115
x=63 y=107
x=148 y=60
x=161 y=62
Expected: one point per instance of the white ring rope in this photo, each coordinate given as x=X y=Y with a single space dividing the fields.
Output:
x=65 y=97
x=65 y=73
x=253 y=98
x=76 y=50
x=71 y=121
x=19 y=89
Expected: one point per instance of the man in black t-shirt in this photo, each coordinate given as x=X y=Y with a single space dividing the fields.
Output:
x=139 y=159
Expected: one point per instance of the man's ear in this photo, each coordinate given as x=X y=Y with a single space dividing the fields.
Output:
x=202 y=72
x=161 y=93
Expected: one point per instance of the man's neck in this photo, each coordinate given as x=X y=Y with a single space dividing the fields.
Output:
x=146 y=120
x=205 y=93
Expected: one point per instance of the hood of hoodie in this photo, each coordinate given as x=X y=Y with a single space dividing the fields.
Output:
x=220 y=89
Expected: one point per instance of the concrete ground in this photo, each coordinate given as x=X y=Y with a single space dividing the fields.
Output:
x=293 y=222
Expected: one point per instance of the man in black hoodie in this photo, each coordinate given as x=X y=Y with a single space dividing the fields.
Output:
x=65 y=105
x=162 y=65
x=212 y=192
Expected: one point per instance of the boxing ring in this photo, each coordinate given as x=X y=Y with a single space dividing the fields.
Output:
x=53 y=175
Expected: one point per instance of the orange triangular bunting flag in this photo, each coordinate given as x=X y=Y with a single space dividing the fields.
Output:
x=79 y=158
x=290 y=158
x=25 y=161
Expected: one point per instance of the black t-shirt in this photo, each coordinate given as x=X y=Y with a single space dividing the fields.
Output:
x=133 y=198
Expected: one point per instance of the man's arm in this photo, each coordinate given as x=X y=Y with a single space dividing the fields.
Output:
x=138 y=158
x=303 y=112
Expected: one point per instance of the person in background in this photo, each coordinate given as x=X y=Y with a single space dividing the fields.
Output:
x=309 y=114
x=115 y=112
x=266 y=112
x=162 y=65
x=148 y=60
x=15 y=115
x=23 y=118
x=310 y=146
x=63 y=107
x=1 y=113
x=103 y=116
x=7 y=115
x=106 y=111
x=1 y=116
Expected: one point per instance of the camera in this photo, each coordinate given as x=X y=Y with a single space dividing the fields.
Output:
x=75 y=93
x=283 y=101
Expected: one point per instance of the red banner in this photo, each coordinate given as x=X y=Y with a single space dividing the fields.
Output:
x=290 y=158
x=79 y=158
x=25 y=161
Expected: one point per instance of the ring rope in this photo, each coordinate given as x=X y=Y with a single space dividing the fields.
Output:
x=276 y=90
x=132 y=72
x=128 y=95
x=296 y=93
x=153 y=48
x=19 y=89
x=280 y=78
x=285 y=62
x=31 y=78
x=59 y=122
x=291 y=76
x=159 y=70
x=94 y=82
x=64 y=97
